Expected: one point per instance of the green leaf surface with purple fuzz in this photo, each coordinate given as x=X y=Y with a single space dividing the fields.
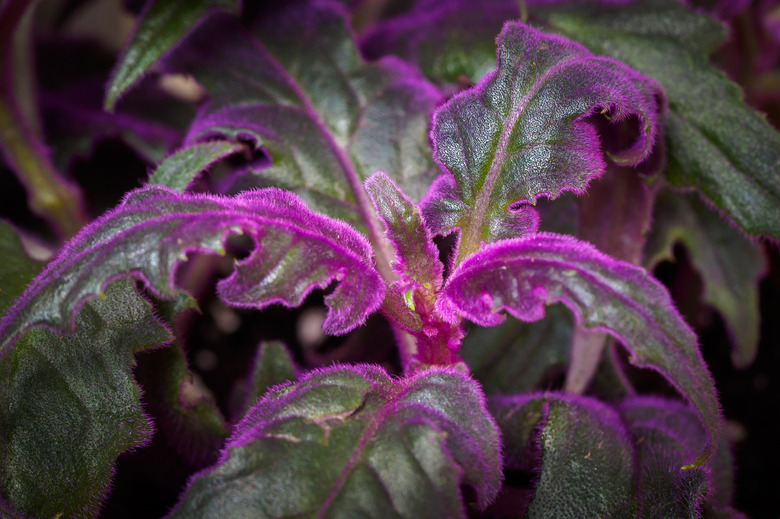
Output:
x=180 y=169
x=523 y=132
x=325 y=120
x=663 y=431
x=154 y=228
x=523 y=275
x=579 y=449
x=69 y=406
x=352 y=442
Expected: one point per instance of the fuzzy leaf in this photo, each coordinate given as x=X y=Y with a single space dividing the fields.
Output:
x=524 y=274
x=352 y=442
x=514 y=357
x=523 y=132
x=153 y=230
x=417 y=258
x=580 y=448
x=730 y=265
x=325 y=119
x=163 y=24
x=180 y=169
x=664 y=431
x=717 y=143
x=18 y=268
x=69 y=406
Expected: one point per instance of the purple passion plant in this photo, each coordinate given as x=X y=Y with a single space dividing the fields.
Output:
x=611 y=102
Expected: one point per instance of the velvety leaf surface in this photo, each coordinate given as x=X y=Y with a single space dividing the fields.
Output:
x=18 y=268
x=665 y=431
x=180 y=169
x=293 y=83
x=69 y=406
x=153 y=230
x=730 y=265
x=515 y=357
x=522 y=275
x=580 y=449
x=523 y=132
x=717 y=144
x=352 y=442
x=163 y=24
x=273 y=366
x=417 y=258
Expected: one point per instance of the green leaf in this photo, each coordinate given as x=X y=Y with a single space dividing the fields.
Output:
x=18 y=268
x=273 y=366
x=190 y=422
x=515 y=357
x=352 y=442
x=526 y=131
x=294 y=84
x=162 y=26
x=730 y=265
x=180 y=169
x=717 y=144
x=69 y=406
x=587 y=466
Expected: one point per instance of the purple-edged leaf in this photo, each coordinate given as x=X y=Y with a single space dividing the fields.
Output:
x=18 y=268
x=717 y=143
x=69 y=406
x=524 y=132
x=417 y=258
x=516 y=357
x=153 y=230
x=163 y=24
x=294 y=84
x=273 y=366
x=579 y=449
x=729 y=264
x=524 y=274
x=352 y=442
x=663 y=432
x=180 y=169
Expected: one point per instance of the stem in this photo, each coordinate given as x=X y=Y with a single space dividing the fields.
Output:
x=49 y=195
x=586 y=350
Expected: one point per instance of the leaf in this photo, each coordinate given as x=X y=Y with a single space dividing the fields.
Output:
x=18 y=268
x=664 y=431
x=524 y=132
x=180 y=169
x=580 y=449
x=730 y=266
x=163 y=24
x=352 y=442
x=190 y=422
x=294 y=85
x=151 y=232
x=69 y=406
x=273 y=366
x=417 y=258
x=717 y=144
x=524 y=274
x=515 y=357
